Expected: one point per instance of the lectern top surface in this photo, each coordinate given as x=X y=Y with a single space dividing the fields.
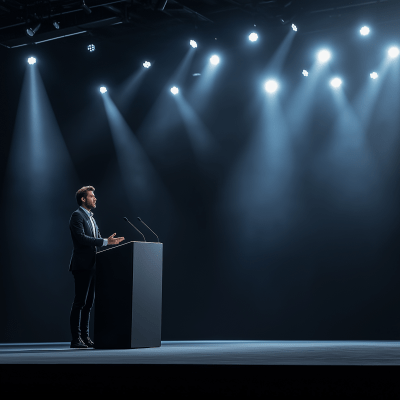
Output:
x=124 y=244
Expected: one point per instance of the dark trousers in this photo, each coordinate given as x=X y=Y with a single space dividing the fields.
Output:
x=83 y=302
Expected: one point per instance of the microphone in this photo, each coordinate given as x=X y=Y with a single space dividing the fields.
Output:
x=126 y=219
x=148 y=228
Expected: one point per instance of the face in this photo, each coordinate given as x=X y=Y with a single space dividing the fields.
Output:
x=90 y=201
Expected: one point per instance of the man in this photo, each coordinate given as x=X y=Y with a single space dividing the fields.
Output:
x=85 y=237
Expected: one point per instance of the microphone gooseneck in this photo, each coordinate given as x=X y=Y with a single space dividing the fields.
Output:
x=158 y=240
x=126 y=219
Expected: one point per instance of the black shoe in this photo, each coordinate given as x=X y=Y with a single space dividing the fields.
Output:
x=88 y=342
x=78 y=344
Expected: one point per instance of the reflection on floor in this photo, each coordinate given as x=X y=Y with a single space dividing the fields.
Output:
x=212 y=353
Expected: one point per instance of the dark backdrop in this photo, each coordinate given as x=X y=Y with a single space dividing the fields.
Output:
x=274 y=229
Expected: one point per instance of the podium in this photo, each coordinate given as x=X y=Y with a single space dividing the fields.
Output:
x=128 y=296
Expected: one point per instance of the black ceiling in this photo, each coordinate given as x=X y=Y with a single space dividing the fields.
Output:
x=114 y=18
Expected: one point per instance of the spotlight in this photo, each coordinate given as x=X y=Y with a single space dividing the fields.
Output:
x=271 y=86
x=56 y=25
x=373 y=75
x=174 y=90
x=393 y=52
x=32 y=60
x=103 y=89
x=214 y=60
x=364 y=30
x=193 y=44
x=147 y=64
x=86 y=8
x=305 y=72
x=253 y=37
x=294 y=27
x=31 y=32
x=324 y=55
x=91 y=47
x=336 y=82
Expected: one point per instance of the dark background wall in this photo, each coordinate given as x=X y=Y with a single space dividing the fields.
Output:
x=278 y=214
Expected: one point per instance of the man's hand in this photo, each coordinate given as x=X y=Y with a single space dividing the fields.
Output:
x=113 y=240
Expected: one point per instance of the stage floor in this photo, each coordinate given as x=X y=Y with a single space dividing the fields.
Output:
x=334 y=353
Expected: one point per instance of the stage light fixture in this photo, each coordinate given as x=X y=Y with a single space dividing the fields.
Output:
x=31 y=32
x=305 y=72
x=174 y=90
x=364 y=30
x=253 y=37
x=336 y=82
x=373 y=75
x=294 y=27
x=86 y=8
x=393 y=52
x=32 y=60
x=324 y=55
x=271 y=86
x=103 y=90
x=91 y=47
x=214 y=60
x=193 y=44
x=147 y=64
x=56 y=25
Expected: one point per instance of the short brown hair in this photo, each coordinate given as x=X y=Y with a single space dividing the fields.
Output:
x=82 y=192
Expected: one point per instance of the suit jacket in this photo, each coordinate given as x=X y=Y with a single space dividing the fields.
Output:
x=84 y=252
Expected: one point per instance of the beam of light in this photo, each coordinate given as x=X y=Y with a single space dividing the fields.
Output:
x=142 y=184
x=393 y=52
x=348 y=164
x=253 y=37
x=163 y=117
x=324 y=55
x=103 y=89
x=365 y=100
x=32 y=60
x=364 y=30
x=279 y=57
x=128 y=89
x=201 y=139
x=38 y=154
x=348 y=129
x=174 y=90
x=193 y=44
x=336 y=82
x=271 y=86
x=200 y=91
x=38 y=197
x=301 y=102
x=385 y=121
x=147 y=64
x=214 y=60
x=257 y=193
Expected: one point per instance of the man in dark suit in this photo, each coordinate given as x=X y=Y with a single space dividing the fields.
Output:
x=85 y=237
